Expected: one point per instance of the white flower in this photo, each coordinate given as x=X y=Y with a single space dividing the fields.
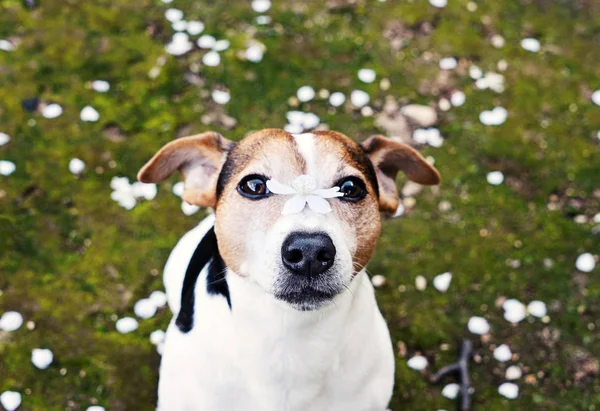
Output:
x=101 y=86
x=144 y=308
x=514 y=310
x=367 y=75
x=502 y=353
x=260 y=6
x=537 y=309
x=337 y=99
x=76 y=166
x=417 y=362
x=531 y=44
x=254 y=53
x=513 y=373
x=4 y=138
x=7 y=167
x=41 y=358
x=495 y=178
x=478 y=325
x=126 y=325
x=448 y=63
x=195 y=27
x=450 y=391
x=89 y=113
x=52 y=111
x=509 y=390
x=157 y=337
x=304 y=191
x=11 y=321
x=585 y=262
x=10 y=400
x=158 y=298
x=442 y=282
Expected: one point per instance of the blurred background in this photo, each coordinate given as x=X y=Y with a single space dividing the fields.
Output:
x=504 y=97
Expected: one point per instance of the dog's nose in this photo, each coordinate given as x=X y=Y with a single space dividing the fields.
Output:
x=308 y=254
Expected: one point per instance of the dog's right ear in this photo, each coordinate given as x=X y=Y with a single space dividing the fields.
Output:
x=199 y=160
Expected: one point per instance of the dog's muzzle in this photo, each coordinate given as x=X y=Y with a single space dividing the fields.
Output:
x=308 y=254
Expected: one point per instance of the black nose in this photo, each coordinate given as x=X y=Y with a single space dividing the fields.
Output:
x=308 y=254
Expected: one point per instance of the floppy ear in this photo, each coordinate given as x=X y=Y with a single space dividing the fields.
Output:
x=389 y=157
x=199 y=160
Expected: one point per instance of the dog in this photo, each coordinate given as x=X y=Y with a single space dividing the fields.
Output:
x=273 y=309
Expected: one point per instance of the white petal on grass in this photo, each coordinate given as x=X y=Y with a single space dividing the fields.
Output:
x=448 y=63
x=158 y=298
x=438 y=3
x=513 y=373
x=492 y=81
x=293 y=128
x=11 y=321
x=180 y=25
x=367 y=75
x=494 y=117
x=514 y=310
x=450 y=391
x=179 y=45
x=97 y=407
x=475 y=72
x=144 y=190
x=89 y=114
x=458 y=98
x=76 y=166
x=173 y=15
x=254 y=53
x=399 y=210
x=537 y=309
x=531 y=44
x=310 y=121
x=495 y=178
x=596 y=99
x=418 y=362
x=42 y=358
x=509 y=390
x=420 y=283
x=52 y=110
x=157 y=337
x=359 y=98
x=498 y=41
x=6 y=45
x=101 y=86
x=189 y=209
x=441 y=282
x=178 y=188
x=424 y=116
x=478 y=325
x=337 y=99
x=305 y=93
x=585 y=262
x=431 y=136
x=221 y=96
x=211 y=59
x=4 y=139
x=263 y=20
x=261 y=6
x=7 y=167
x=10 y=400
x=126 y=325
x=295 y=117
x=144 y=308
x=378 y=280
x=221 y=45
x=206 y=41
x=502 y=353
x=195 y=27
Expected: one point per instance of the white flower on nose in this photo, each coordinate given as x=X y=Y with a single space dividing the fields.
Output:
x=304 y=191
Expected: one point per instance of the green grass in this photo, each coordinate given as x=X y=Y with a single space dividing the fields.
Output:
x=72 y=260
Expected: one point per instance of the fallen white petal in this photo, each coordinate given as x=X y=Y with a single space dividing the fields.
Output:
x=11 y=321
x=126 y=325
x=222 y=45
x=254 y=53
x=52 y=111
x=502 y=353
x=478 y=325
x=378 y=280
x=144 y=308
x=498 y=41
x=585 y=262
x=173 y=15
x=7 y=167
x=367 y=75
x=158 y=298
x=295 y=117
x=180 y=25
x=494 y=117
x=513 y=373
x=221 y=96
x=310 y=121
x=514 y=310
x=450 y=391
x=596 y=97
x=417 y=362
x=262 y=20
x=293 y=128
x=6 y=45
x=448 y=63
x=178 y=188
x=537 y=309
x=211 y=59
x=359 y=98
x=4 y=139
x=509 y=390
x=10 y=400
x=531 y=44
x=195 y=27
x=89 y=113
x=261 y=6
x=420 y=283
x=305 y=93
x=41 y=358
x=97 y=407
x=337 y=99
x=157 y=337
x=495 y=178
x=189 y=209
x=206 y=41
x=76 y=166
x=442 y=282
x=438 y=3
x=100 y=86
x=475 y=72
x=457 y=98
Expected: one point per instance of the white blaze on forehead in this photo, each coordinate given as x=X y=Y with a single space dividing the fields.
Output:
x=307 y=149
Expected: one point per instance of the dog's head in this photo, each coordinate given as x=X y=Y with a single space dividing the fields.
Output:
x=307 y=257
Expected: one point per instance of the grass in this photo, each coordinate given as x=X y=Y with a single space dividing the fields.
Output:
x=72 y=261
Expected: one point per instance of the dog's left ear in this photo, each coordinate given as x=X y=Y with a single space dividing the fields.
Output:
x=199 y=160
x=389 y=157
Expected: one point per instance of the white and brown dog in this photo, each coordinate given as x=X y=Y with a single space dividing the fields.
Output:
x=273 y=309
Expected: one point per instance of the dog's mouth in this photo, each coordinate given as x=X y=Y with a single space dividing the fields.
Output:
x=307 y=294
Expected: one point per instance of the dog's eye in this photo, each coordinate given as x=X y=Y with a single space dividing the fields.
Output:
x=353 y=189
x=254 y=187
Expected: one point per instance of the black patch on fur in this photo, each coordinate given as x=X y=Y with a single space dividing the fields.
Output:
x=207 y=252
